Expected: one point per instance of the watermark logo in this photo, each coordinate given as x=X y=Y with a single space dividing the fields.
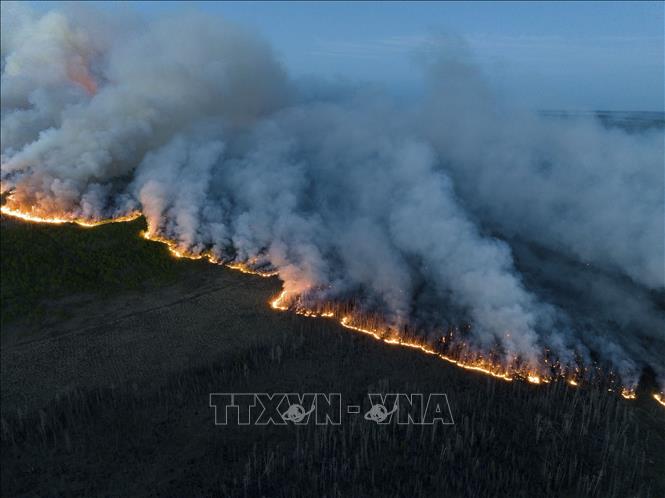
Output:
x=379 y=413
x=296 y=413
x=326 y=408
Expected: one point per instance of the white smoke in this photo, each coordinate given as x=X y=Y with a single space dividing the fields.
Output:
x=414 y=212
x=599 y=190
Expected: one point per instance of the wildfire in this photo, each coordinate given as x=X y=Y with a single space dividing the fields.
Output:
x=177 y=252
x=243 y=268
x=279 y=302
x=14 y=213
x=80 y=74
x=477 y=366
x=282 y=303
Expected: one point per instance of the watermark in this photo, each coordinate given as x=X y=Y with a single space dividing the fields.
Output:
x=327 y=408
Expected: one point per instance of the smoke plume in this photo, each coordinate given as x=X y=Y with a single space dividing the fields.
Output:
x=540 y=234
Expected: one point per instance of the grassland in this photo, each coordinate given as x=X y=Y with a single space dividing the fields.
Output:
x=46 y=262
x=118 y=402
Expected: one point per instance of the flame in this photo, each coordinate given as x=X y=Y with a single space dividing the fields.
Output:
x=33 y=218
x=243 y=268
x=80 y=74
x=478 y=366
x=279 y=302
x=178 y=252
x=282 y=303
x=175 y=250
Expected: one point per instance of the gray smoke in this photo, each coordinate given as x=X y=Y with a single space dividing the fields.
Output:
x=417 y=212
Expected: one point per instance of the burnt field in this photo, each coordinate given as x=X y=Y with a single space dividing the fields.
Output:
x=111 y=347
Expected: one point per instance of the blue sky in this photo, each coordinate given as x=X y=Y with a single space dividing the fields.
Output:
x=558 y=55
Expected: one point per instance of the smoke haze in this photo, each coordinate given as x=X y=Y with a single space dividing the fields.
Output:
x=540 y=233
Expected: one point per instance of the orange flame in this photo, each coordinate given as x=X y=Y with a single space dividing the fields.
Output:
x=80 y=74
x=87 y=223
x=178 y=252
x=279 y=302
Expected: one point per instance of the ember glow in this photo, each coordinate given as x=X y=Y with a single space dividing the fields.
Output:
x=27 y=216
x=80 y=74
x=281 y=303
x=660 y=398
x=177 y=252
x=245 y=268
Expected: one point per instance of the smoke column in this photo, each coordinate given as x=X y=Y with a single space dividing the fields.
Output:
x=540 y=234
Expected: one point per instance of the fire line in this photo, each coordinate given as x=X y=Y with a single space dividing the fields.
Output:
x=280 y=303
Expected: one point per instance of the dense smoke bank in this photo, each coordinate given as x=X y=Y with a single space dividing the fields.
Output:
x=541 y=234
